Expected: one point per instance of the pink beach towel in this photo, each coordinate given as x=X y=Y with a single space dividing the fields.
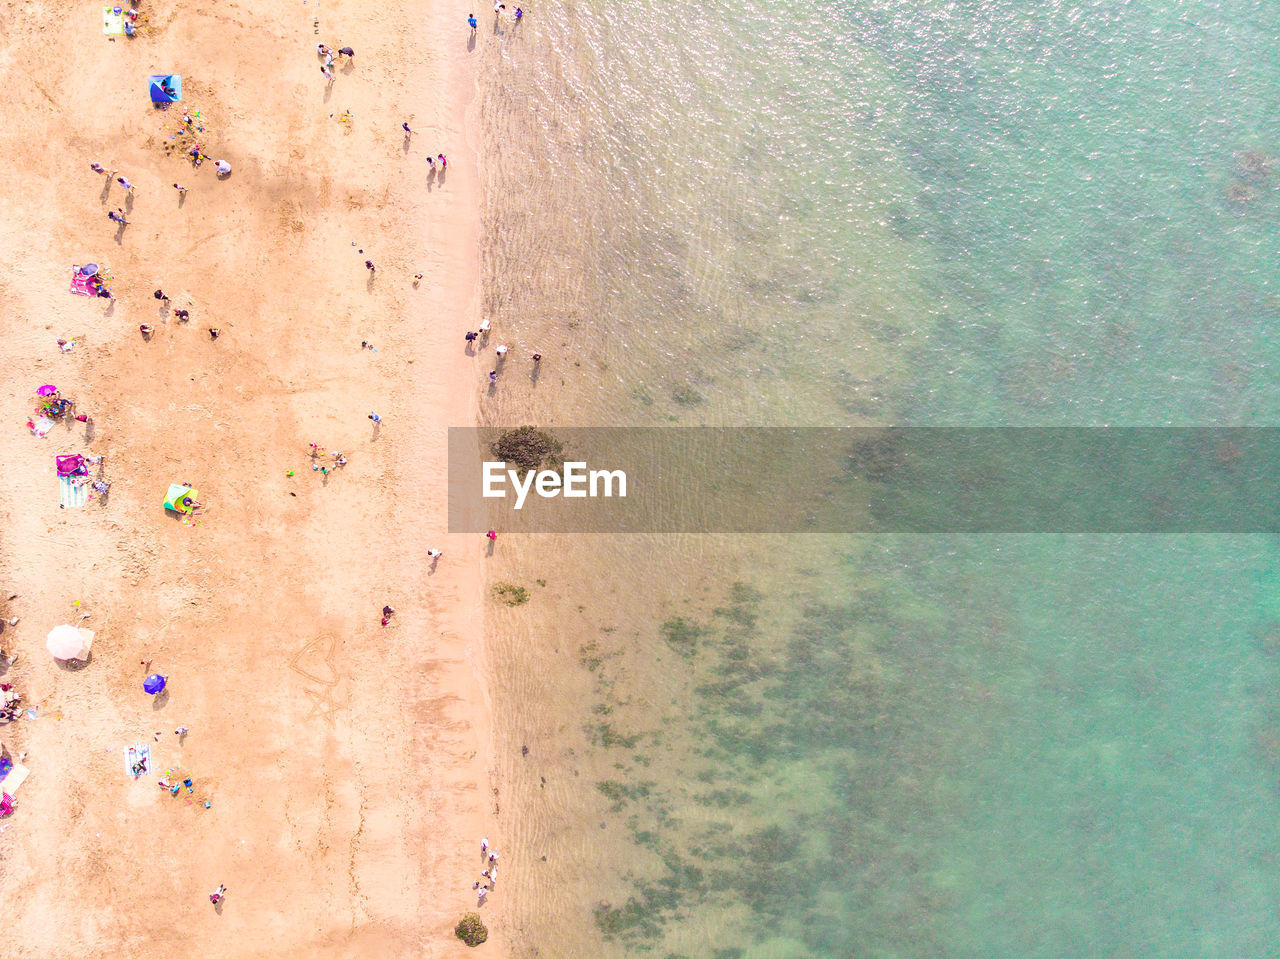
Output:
x=82 y=284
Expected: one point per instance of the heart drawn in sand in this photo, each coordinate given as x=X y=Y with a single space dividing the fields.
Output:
x=315 y=661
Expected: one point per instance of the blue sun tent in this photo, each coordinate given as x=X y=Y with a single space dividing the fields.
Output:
x=166 y=88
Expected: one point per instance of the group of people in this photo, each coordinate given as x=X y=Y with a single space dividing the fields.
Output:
x=318 y=459
x=489 y=875
x=329 y=56
x=473 y=336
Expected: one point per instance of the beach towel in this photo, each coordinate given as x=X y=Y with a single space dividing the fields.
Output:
x=133 y=755
x=113 y=21
x=17 y=775
x=71 y=495
x=82 y=285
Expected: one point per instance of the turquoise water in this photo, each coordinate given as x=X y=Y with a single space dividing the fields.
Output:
x=988 y=213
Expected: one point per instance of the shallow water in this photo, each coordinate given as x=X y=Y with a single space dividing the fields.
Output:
x=989 y=213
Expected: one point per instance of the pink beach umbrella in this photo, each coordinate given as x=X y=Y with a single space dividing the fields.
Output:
x=47 y=390
x=66 y=642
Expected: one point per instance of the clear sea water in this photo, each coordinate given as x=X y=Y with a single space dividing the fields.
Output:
x=962 y=212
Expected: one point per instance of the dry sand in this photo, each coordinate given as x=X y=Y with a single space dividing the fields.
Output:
x=346 y=763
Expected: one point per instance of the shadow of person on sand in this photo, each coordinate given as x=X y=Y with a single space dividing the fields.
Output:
x=74 y=665
x=182 y=198
x=160 y=699
x=471 y=42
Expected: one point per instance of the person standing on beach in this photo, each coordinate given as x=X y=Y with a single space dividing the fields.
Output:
x=471 y=22
x=493 y=376
x=405 y=127
x=118 y=217
x=492 y=535
x=160 y=295
x=443 y=161
x=471 y=336
x=346 y=52
x=128 y=187
x=180 y=188
x=328 y=74
x=435 y=553
x=375 y=417
x=502 y=352
x=537 y=357
x=215 y=897
x=97 y=167
x=368 y=265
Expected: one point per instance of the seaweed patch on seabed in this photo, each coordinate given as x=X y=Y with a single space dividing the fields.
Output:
x=786 y=781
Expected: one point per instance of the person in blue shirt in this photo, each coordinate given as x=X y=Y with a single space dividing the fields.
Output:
x=471 y=21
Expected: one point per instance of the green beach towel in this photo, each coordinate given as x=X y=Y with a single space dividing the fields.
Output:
x=71 y=494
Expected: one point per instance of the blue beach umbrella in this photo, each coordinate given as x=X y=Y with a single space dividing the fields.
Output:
x=153 y=683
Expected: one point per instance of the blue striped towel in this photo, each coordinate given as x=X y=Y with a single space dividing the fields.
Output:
x=69 y=494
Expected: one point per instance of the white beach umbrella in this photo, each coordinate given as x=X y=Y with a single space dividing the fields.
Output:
x=66 y=642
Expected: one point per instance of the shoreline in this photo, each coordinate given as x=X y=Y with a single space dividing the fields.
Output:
x=346 y=764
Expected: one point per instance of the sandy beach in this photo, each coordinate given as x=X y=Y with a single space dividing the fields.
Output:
x=345 y=763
